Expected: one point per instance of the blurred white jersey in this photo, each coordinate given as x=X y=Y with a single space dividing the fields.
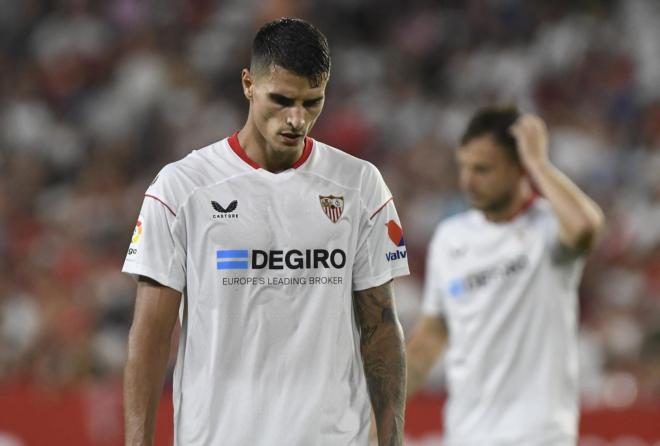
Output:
x=509 y=295
x=269 y=352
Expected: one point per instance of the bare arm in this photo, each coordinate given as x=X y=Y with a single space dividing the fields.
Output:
x=580 y=218
x=428 y=341
x=156 y=311
x=383 y=354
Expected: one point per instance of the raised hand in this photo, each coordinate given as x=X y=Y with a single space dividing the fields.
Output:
x=531 y=135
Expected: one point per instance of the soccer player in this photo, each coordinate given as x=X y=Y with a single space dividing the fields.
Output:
x=501 y=290
x=277 y=252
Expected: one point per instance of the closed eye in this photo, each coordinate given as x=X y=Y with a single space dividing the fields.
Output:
x=281 y=100
x=312 y=102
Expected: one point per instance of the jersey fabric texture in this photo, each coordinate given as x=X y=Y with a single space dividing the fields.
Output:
x=267 y=264
x=508 y=293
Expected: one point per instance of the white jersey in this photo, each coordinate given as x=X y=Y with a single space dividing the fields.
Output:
x=267 y=263
x=508 y=293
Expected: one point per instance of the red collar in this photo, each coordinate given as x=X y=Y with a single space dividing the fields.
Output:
x=526 y=205
x=238 y=150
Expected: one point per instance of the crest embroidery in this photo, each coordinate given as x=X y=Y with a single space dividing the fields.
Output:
x=332 y=206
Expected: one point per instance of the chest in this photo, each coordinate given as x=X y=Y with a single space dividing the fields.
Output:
x=477 y=267
x=296 y=213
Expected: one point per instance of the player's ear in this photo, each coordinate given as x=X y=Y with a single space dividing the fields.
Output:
x=248 y=83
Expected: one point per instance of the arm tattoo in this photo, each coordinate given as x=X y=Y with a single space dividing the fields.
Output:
x=381 y=343
x=388 y=316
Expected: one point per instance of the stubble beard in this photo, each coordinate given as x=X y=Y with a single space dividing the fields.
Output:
x=497 y=204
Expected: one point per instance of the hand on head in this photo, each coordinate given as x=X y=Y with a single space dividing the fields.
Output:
x=531 y=135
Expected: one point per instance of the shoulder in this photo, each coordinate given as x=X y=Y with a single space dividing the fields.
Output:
x=452 y=236
x=176 y=181
x=339 y=166
x=541 y=213
x=459 y=225
x=541 y=208
x=199 y=163
x=457 y=228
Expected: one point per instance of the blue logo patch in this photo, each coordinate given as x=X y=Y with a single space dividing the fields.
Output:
x=482 y=278
x=456 y=288
x=280 y=259
x=232 y=258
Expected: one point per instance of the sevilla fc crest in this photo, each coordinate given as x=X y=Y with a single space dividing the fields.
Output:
x=332 y=206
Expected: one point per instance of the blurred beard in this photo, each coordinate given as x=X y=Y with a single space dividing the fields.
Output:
x=494 y=205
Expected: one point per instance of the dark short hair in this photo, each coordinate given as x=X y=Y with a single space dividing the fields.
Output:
x=494 y=121
x=294 y=45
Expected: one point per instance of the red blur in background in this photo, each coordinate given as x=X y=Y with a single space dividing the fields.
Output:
x=92 y=416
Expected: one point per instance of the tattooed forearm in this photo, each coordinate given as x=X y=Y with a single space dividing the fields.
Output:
x=387 y=315
x=366 y=334
x=383 y=354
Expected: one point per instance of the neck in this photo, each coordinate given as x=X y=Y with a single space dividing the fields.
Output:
x=259 y=151
x=520 y=201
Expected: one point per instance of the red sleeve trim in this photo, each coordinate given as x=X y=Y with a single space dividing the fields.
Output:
x=381 y=208
x=161 y=202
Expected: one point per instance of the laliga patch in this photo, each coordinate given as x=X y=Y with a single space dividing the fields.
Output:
x=137 y=234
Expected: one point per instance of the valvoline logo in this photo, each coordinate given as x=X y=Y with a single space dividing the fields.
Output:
x=395 y=234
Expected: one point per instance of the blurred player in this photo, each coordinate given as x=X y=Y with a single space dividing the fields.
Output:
x=501 y=290
x=277 y=253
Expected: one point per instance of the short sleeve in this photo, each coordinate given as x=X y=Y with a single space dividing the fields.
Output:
x=433 y=301
x=381 y=253
x=157 y=247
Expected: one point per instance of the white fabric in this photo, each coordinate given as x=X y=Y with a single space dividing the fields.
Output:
x=509 y=295
x=262 y=360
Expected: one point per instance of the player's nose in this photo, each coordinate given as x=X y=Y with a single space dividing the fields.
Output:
x=296 y=118
x=466 y=179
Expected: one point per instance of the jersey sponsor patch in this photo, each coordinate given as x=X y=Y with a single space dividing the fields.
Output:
x=458 y=287
x=279 y=259
x=225 y=212
x=395 y=234
x=232 y=259
x=277 y=262
x=137 y=234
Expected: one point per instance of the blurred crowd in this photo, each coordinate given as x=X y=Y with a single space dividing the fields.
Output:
x=95 y=97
